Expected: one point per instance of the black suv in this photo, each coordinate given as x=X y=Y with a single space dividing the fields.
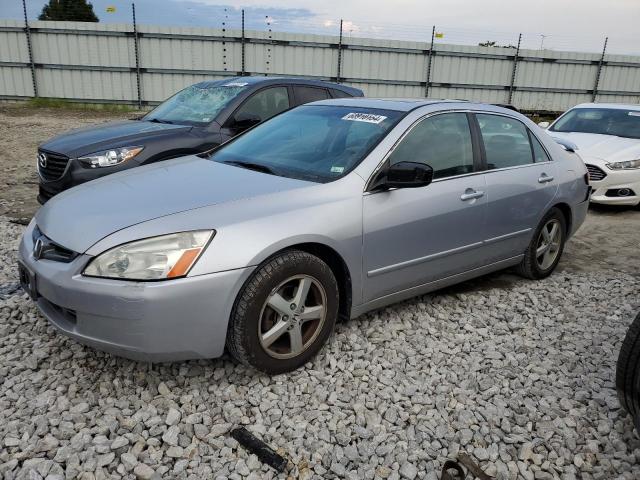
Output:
x=195 y=119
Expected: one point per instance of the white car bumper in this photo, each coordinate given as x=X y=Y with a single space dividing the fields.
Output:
x=612 y=187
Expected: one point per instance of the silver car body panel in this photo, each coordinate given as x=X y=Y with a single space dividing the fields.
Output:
x=395 y=244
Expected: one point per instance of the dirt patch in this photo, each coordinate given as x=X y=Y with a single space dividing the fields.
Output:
x=23 y=129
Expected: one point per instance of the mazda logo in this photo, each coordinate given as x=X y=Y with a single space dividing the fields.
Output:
x=42 y=160
x=38 y=249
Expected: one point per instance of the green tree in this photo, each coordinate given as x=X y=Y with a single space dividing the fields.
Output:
x=68 y=10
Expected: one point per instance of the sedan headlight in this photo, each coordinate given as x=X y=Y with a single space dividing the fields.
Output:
x=109 y=158
x=627 y=165
x=156 y=258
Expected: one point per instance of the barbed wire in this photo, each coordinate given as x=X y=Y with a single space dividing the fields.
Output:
x=271 y=21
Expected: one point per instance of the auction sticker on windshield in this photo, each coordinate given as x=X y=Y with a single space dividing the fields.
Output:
x=235 y=84
x=364 y=117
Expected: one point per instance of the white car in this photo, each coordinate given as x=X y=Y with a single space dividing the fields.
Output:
x=608 y=140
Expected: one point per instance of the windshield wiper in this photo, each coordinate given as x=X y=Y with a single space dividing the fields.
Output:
x=157 y=120
x=251 y=166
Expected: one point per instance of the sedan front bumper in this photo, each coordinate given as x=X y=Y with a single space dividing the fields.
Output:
x=149 y=321
x=606 y=190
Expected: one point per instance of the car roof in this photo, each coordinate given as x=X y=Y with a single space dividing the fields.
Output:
x=405 y=104
x=614 y=106
x=262 y=81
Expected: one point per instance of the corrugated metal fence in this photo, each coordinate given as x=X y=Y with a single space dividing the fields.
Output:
x=94 y=62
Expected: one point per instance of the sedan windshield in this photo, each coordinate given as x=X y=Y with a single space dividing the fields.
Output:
x=196 y=105
x=603 y=121
x=315 y=142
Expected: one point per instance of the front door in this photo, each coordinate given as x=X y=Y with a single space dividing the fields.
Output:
x=414 y=236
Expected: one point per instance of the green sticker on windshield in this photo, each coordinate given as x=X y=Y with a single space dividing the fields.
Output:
x=337 y=169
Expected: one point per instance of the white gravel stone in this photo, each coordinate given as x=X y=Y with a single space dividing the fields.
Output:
x=518 y=374
x=143 y=472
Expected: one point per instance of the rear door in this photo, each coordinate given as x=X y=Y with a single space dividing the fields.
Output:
x=521 y=183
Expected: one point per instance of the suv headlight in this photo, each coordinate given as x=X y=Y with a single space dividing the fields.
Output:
x=156 y=258
x=111 y=157
x=627 y=165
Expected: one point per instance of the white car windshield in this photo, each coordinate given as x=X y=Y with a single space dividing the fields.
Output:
x=315 y=142
x=603 y=121
x=196 y=105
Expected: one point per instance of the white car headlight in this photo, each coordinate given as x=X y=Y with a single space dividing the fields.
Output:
x=627 y=165
x=111 y=157
x=156 y=258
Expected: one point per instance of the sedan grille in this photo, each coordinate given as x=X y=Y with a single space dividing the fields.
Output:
x=51 y=165
x=595 y=173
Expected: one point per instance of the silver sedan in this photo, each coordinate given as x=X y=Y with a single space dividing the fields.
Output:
x=326 y=211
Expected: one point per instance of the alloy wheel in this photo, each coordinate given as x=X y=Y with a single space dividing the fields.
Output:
x=292 y=316
x=548 y=245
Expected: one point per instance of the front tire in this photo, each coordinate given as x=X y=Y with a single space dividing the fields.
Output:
x=284 y=314
x=546 y=247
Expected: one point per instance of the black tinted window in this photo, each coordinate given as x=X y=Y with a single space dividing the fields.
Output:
x=310 y=94
x=443 y=142
x=266 y=103
x=339 y=93
x=506 y=141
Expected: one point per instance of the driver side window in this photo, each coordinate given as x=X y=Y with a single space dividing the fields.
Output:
x=266 y=103
x=443 y=142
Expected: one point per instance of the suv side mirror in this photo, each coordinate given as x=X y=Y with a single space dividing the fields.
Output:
x=243 y=121
x=543 y=124
x=403 y=175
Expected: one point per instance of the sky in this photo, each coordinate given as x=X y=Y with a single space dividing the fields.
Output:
x=580 y=25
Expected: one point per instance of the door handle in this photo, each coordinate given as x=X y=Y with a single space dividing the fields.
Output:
x=544 y=178
x=470 y=194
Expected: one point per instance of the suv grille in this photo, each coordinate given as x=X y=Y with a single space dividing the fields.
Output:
x=595 y=173
x=51 y=165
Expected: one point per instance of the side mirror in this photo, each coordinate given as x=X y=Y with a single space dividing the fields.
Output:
x=543 y=124
x=403 y=175
x=244 y=121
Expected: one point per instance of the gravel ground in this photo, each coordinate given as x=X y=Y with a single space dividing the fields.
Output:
x=519 y=374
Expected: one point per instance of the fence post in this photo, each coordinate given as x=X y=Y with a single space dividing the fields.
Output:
x=515 y=69
x=137 y=52
x=600 y=63
x=339 y=54
x=27 y=32
x=428 y=82
x=242 y=43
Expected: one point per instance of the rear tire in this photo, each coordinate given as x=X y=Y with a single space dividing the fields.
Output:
x=545 y=249
x=284 y=314
x=628 y=371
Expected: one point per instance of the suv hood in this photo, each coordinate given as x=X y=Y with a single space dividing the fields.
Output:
x=606 y=147
x=108 y=135
x=83 y=215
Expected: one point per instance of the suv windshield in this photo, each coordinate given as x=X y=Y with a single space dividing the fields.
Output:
x=604 y=121
x=319 y=143
x=196 y=105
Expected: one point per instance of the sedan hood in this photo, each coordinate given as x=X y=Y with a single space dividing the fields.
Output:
x=81 y=216
x=605 y=147
x=126 y=133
